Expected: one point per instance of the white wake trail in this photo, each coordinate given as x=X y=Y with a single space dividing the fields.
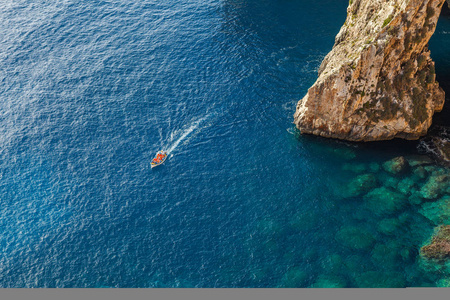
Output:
x=186 y=133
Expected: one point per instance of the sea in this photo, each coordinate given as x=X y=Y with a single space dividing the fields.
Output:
x=91 y=90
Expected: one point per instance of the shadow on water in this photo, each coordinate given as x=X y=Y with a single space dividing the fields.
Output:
x=439 y=45
x=282 y=35
x=438 y=134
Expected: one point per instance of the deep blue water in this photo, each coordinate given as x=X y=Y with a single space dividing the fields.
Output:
x=90 y=90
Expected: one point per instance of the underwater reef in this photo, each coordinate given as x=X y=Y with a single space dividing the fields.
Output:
x=439 y=247
x=412 y=183
x=387 y=226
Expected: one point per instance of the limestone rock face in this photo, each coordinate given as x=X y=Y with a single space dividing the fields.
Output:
x=442 y=148
x=378 y=82
x=439 y=248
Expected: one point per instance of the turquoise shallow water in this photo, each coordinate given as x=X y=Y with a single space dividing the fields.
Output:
x=90 y=91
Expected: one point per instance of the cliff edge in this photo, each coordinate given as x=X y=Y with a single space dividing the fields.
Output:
x=378 y=82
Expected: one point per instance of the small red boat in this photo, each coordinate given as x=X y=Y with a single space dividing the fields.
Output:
x=159 y=159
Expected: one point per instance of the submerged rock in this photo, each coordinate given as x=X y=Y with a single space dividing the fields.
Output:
x=355 y=168
x=396 y=165
x=389 y=226
x=329 y=281
x=435 y=186
x=361 y=185
x=355 y=237
x=378 y=279
x=415 y=198
x=436 y=170
x=385 y=255
x=406 y=254
x=389 y=181
x=355 y=263
x=419 y=160
x=420 y=172
x=294 y=278
x=406 y=186
x=442 y=146
x=437 y=212
x=443 y=282
x=344 y=153
x=333 y=263
x=304 y=221
x=374 y=167
x=439 y=248
x=385 y=201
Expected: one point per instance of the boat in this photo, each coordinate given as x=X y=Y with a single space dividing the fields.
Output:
x=159 y=159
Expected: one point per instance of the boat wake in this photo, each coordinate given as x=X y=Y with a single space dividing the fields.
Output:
x=184 y=134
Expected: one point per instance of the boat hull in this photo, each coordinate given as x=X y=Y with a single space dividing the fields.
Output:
x=153 y=164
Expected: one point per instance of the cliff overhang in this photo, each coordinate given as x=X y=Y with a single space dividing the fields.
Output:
x=378 y=82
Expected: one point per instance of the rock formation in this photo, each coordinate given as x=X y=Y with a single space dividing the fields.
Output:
x=442 y=148
x=439 y=248
x=378 y=82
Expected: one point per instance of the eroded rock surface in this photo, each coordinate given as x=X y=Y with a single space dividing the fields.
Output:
x=439 y=248
x=378 y=82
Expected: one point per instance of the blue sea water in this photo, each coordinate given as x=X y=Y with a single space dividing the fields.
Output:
x=91 y=90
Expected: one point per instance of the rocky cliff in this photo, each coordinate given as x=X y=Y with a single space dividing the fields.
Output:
x=378 y=82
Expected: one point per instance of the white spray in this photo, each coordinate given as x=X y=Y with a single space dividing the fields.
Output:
x=191 y=128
